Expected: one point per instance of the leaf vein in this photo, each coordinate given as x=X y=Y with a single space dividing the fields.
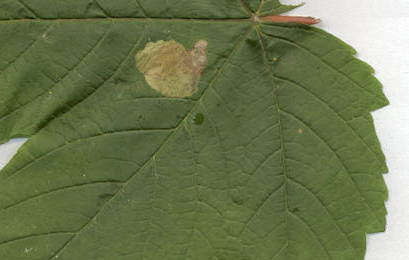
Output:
x=26 y=50
x=138 y=3
x=276 y=102
x=327 y=211
x=218 y=73
x=76 y=186
x=34 y=235
x=127 y=19
x=245 y=7
x=338 y=158
x=297 y=45
x=313 y=233
x=333 y=110
x=64 y=77
x=279 y=251
x=83 y=139
x=21 y=2
x=101 y=8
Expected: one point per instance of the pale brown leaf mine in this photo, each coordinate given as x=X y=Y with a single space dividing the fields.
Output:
x=173 y=71
x=170 y=69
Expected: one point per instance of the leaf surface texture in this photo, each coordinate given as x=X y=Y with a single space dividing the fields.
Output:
x=284 y=164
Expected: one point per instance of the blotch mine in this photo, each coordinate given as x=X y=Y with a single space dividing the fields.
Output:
x=170 y=69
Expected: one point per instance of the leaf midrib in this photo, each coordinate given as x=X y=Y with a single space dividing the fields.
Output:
x=348 y=125
x=283 y=158
x=287 y=179
x=275 y=97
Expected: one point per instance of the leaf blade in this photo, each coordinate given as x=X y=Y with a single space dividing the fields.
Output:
x=284 y=162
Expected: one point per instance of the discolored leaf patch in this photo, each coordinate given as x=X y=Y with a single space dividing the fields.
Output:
x=170 y=69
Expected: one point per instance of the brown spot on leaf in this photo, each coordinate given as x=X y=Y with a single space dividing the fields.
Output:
x=170 y=69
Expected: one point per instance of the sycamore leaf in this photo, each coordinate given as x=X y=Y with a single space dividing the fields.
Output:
x=267 y=152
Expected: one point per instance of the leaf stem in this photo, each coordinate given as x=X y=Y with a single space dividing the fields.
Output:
x=290 y=19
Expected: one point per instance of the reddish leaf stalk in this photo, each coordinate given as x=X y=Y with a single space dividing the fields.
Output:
x=290 y=19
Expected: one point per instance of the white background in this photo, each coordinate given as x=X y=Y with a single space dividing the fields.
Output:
x=379 y=30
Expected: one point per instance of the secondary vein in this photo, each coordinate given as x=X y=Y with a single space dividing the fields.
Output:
x=240 y=42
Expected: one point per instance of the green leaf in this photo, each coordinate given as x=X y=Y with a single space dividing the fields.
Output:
x=274 y=156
